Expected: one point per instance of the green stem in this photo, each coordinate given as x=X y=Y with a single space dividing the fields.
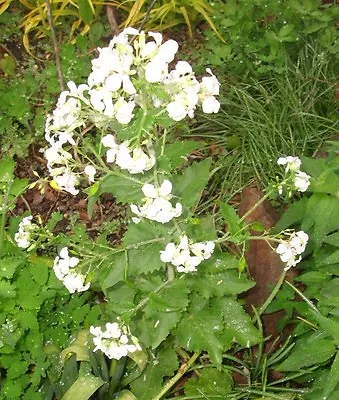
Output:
x=314 y=308
x=272 y=294
x=177 y=376
x=257 y=204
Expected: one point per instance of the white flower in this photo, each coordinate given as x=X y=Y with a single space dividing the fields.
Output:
x=116 y=341
x=25 y=229
x=136 y=163
x=289 y=250
x=67 y=182
x=109 y=141
x=180 y=255
x=291 y=163
x=210 y=105
x=124 y=110
x=157 y=205
x=90 y=171
x=64 y=270
x=74 y=282
x=301 y=181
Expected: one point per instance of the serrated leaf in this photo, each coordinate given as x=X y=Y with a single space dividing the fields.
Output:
x=307 y=353
x=124 y=188
x=116 y=267
x=237 y=322
x=199 y=330
x=176 y=151
x=220 y=284
x=231 y=218
x=157 y=325
x=150 y=383
x=189 y=185
x=7 y=290
x=7 y=165
x=211 y=382
x=173 y=297
x=8 y=265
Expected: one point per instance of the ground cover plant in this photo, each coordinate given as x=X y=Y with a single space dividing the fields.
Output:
x=146 y=306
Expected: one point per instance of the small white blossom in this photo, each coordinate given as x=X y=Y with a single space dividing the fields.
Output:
x=115 y=341
x=291 y=163
x=67 y=182
x=301 y=181
x=23 y=236
x=157 y=205
x=64 y=270
x=90 y=171
x=136 y=163
x=180 y=255
x=290 y=250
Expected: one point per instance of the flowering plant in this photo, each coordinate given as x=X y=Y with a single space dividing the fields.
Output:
x=169 y=280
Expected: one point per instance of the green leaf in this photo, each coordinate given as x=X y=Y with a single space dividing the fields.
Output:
x=8 y=265
x=150 y=383
x=156 y=326
x=238 y=323
x=329 y=325
x=293 y=215
x=199 y=330
x=83 y=388
x=124 y=188
x=7 y=290
x=220 y=284
x=308 y=352
x=116 y=267
x=332 y=379
x=189 y=186
x=322 y=212
x=231 y=218
x=333 y=239
x=7 y=165
x=146 y=239
x=211 y=382
x=126 y=395
x=176 y=152
x=86 y=11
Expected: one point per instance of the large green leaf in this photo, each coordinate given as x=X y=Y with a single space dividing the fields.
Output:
x=150 y=383
x=332 y=379
x=200 y=328
x=329 y=325
x=189 y=185
x=220 y=284
x=293 y=215
x=83 y=388
x=231 y=218
x=238 y=323
x=211 y=382
x=176 y=152
x=86 y=11
x=322 y=213
x=308 y=352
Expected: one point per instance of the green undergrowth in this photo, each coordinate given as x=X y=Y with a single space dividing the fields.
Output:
x=293 y=113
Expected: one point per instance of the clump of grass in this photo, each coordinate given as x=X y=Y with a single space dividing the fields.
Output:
x=288 y=114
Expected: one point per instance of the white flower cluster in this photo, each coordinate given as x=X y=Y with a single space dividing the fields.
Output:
x=301 y=180
x=120 y=81
x=134 y=161
x=23 y=236
x=292 y=248
x=115 y=341
x=180 y=255
x=157 y=205
x=64 y=271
